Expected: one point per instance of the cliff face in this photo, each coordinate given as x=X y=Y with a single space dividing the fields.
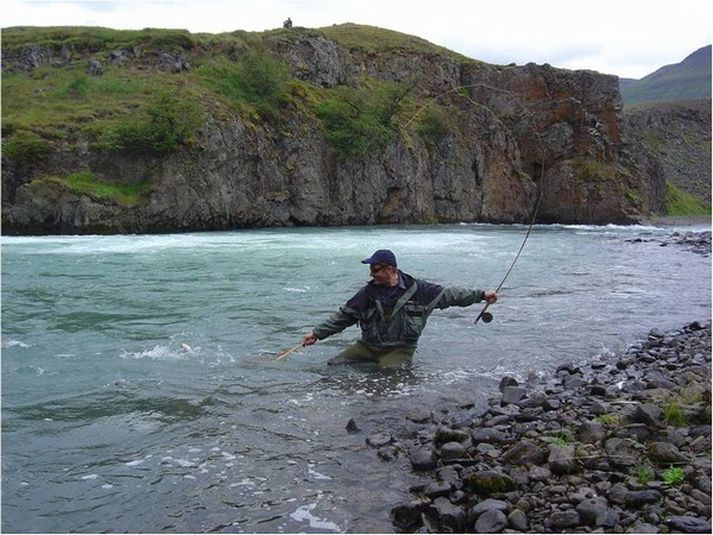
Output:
x=671 y=141
x=516 y=129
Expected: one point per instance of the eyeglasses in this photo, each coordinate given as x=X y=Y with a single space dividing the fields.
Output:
x=375 y=269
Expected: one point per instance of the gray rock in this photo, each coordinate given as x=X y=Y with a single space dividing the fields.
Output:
x=352 y=426
x=517 y=520
x=590 y=508
x=665 y=452
x=174 y=63
x=569 y=368
x=420 y=416
x=378 y=440
x=450 y=475
x=407 y=516
x=437 y=488
x=491 y=521
x=647 y=413
x=486 y=505
x=607 y=519
x=533 y=401
x=639 y=498
x=488 y=435
x=643 y=527
x=539 y=473
x=94 y=68
x=487 y=482
x=688 y=524
x=424 y=459
x=449 y=517
x=512 y=394
x=507 y=381
x=452 y=450
x=388 y=453
x=524 y=452
x=591 y=432
x=561 y=459
x=564 y=519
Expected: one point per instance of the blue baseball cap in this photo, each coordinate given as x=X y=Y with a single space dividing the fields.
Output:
x=382 y=256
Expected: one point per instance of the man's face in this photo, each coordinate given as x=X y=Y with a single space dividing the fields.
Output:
x=381 y=273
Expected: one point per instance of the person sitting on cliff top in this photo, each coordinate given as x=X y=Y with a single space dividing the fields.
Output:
x=287 y=23
x=392 y=310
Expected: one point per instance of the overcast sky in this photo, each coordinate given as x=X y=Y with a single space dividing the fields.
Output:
x=629 y=38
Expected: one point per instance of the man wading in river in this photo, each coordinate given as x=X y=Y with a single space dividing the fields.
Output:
x=392 y=311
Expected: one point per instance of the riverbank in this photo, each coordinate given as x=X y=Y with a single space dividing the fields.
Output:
x=621 y=444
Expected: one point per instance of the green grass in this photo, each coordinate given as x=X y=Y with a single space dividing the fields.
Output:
x=24 y=147
x=673 y=414
x=85 y=183
x=559 y=438
x=89 y=38
x=672 y=476
x=373 y=39
x=645 y=472
x=681 y=203
x=611 y=419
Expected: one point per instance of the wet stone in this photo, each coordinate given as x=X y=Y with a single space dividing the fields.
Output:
x=491 y=521
x=517 y=520
x=452 y=450
x=424 y=459
x=512 y=394
x=590 y=508
x=688 y=524
x=437 y=488
x=487 y=505
x=507 y=381
x=487 y=435
x=379 y=440
x=420 y=416
x=449 y=517
x=564 y=519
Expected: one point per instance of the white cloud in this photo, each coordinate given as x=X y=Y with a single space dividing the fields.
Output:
x=626 y=37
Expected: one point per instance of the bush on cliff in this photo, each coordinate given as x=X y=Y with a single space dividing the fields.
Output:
x=360 y=121
x=24 y=147
x=257 y=79
x=162 y=127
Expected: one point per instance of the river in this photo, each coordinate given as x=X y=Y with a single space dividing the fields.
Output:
x=140 y=390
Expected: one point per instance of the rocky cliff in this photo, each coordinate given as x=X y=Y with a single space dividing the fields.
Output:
x=672 y=142
x=510 y=132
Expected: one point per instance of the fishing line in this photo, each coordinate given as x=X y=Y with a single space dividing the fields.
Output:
x=484 y=315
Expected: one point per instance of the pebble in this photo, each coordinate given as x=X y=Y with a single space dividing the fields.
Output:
x=583 y=450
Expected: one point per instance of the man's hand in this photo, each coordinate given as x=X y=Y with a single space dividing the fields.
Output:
x=309 y=339
x=490 y=296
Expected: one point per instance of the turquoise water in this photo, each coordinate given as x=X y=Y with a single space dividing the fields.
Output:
x=140 y=390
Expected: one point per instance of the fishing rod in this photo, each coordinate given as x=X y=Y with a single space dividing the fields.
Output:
x=484 y=315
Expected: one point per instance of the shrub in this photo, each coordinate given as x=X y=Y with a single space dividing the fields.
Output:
x=168 y=122
x=433 y=125
x=24 y=147
x=359 y=121
x=257 y=79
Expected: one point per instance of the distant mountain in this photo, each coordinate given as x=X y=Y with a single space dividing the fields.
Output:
x=689 y=79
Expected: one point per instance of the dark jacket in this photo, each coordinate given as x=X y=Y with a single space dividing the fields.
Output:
x=399 y=320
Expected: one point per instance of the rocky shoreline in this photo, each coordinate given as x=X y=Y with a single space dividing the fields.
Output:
x=621 y=444
x=696 y=242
